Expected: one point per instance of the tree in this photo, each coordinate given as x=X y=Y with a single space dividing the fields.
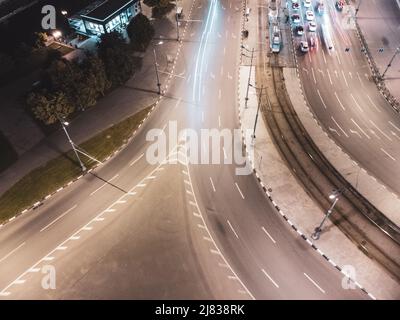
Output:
x=140 y=31
x=48 y=108
x=117 y=58
x=40 y=39
x=95 y=74
x=160 y=7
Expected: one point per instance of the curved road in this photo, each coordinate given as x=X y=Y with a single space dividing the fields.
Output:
x=170 y=230
x=339 y=89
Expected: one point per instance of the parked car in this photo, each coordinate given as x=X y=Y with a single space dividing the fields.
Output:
x=295 y=6
x=312 y=26
x=304 y=46
x=295 y=18
x=299 y=30
x=307 y=3
x=339 y=4
x=310 y=15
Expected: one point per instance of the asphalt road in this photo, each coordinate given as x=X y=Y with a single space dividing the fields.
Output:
x=346 y=101
x=170 y=230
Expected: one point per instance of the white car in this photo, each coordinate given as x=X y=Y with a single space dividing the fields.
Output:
x=310 y=15
x=295 y=1
x=312 y=26
x=304 y=46
x=307 y=3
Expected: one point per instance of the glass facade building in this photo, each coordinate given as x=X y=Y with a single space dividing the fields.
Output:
x=104 y=16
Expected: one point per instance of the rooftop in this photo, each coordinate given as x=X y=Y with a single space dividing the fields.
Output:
x=104 y=9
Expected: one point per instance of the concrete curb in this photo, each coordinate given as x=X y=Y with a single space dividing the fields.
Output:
x=155 y=104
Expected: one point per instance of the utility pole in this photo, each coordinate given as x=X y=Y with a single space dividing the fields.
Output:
x=156 y=67
x=248 y=82
x=258 y=110
x=64 y=124
x=177 y=21
x=318 y=230
x=390 y=62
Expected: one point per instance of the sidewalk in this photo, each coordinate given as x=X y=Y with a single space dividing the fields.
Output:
x=301 y=210
x=139 y=92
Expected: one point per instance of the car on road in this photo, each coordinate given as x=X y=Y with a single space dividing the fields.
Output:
x=339 y=4
x=310 y=15
x=313 y=42
x=304 y=46
x=295 y=18
x=307 y=3
x=312 y=26
x=295 y=6
x=299 y=30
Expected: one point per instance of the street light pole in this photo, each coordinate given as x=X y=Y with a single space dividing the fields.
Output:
x=156 y=67
x=390 y=62
x=63 y=124
x=177 y=21
x=318 y=230
x=358 y=8
x=248 y=82
x=258 y=110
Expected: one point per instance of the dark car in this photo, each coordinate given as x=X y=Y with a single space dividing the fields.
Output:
x=339 y=5
x=299 y=30
x=295 y=6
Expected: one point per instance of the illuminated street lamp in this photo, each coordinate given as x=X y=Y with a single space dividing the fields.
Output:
x=335 y=197
x=57 y=34
x=64 y=12
x=64 y=125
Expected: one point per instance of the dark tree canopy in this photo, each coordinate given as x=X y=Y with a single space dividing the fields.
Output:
x=140 y=32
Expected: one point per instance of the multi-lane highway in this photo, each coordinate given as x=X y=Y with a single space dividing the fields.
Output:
x=170 y=230
x=339 y=88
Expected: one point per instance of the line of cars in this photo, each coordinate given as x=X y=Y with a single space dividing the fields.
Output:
x=309 y=17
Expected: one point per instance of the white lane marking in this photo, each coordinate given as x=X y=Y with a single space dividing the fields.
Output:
x=313 y=282
x=359 y=78
x=58 y=218
x=237 y=186
x=233 y=230
x=212 y=184
x=384 y=134
x=339 y=101
x=102 y=186
x=373 y=104
x=222 y=71
x=329 y=76
x=272 y=239
x=323 y=54
x=344 y=132
x=345 y=80
x=337 y=55
x=394 y=126
x=219 y=121
x=202 y=116
x=269 y=277
x=313 y=74
x=387 y=153
x=11 y=252
x=360 y=128
x=321 y=99
x=355 y=101
x=134 y=161
x=219 y=94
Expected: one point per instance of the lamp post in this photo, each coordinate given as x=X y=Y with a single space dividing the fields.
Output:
x=177 y=21
x=390 y=62
x=258 y=110
x=248 y=81
x=156 y=68
x=358 y=8
x=64 y=125
x=335 y=197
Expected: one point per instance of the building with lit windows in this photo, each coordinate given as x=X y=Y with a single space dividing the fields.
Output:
x=104 y=16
